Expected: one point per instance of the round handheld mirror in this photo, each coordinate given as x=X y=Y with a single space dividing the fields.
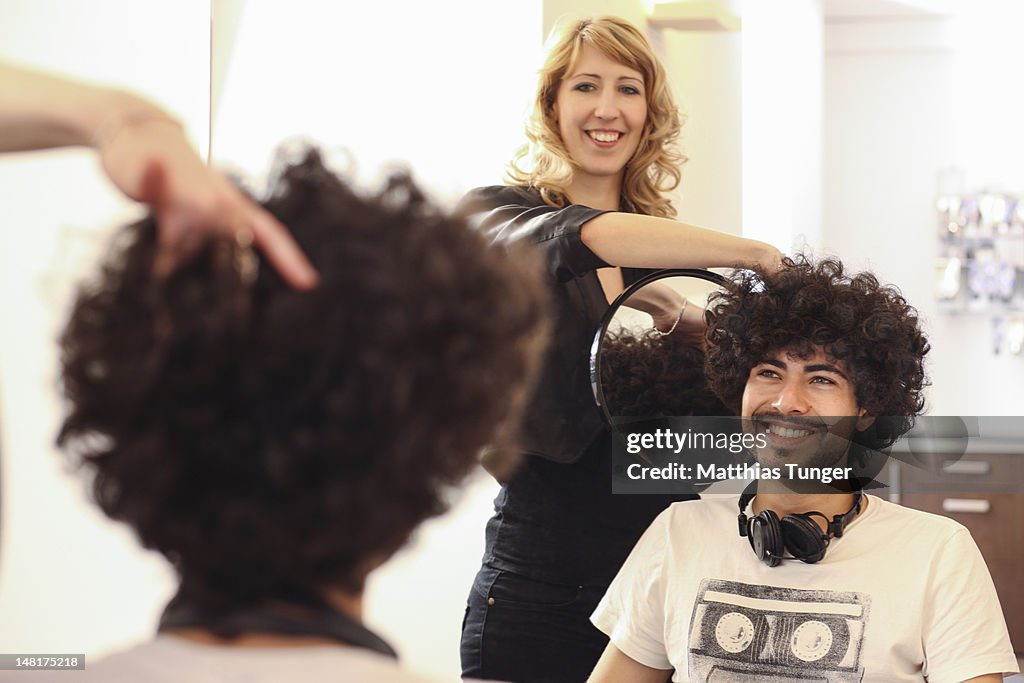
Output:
x=647 y=374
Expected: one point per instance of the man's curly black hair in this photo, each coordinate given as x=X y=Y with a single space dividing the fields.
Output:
x=852 y=317
x=265 y=439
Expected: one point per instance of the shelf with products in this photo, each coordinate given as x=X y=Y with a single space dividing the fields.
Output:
x=980 y=262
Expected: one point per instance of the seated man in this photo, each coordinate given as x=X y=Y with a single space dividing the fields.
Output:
x=275 y=445
x=824 y=366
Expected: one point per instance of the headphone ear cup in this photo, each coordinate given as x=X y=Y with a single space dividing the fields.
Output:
x=766 y=538
x=803 y=538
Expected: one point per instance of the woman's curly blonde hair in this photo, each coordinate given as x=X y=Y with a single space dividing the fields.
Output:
x=544 y=163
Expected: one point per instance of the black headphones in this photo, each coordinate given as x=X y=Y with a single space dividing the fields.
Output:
x=770 y=537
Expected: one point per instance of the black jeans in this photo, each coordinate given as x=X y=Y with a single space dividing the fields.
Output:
x=525 y=631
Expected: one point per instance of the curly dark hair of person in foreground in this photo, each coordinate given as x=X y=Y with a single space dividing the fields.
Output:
x=265 y=439
x=852 y=317
x=653 y=375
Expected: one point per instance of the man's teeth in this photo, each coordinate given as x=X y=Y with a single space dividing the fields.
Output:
x=788 y=433
x=604 y=136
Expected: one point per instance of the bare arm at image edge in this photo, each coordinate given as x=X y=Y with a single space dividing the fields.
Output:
x=145 y=154
x=615 y=666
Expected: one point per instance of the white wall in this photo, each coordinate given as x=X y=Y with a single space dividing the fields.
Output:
x=442 y=87
x=905 y=101
x=782 y=122
x=705 y=69
x=70 y=581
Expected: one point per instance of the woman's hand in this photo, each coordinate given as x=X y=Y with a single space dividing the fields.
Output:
x=771 y=259
x=150 y=161
x=666 y=323
x=692 y=326
x=686 y=326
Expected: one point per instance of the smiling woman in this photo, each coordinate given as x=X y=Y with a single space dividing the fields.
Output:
x=588 y=192
x=600 y=110
x=610 y=60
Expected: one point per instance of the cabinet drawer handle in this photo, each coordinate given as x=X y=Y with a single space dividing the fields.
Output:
x=967 y=467
x=974 y=505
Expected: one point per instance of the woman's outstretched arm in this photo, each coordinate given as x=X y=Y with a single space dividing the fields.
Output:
x=638 y=241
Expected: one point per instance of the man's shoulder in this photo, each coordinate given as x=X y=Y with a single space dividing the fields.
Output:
x=896 y=515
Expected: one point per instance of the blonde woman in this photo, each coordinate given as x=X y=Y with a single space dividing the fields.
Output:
x=589 y=190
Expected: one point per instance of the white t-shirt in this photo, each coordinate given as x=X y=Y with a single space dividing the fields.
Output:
x=903 y=596
x=169 y=658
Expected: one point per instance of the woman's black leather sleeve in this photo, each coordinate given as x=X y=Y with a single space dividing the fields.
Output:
x=516 y=214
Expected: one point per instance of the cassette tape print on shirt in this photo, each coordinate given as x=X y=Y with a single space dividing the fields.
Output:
x=740 y=633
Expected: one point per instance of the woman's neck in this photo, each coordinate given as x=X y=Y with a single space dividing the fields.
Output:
x=601 y=192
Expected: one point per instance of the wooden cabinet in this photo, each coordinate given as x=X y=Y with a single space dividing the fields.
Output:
x=985 y=493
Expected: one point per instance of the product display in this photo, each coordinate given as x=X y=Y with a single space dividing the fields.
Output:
x=980 y=262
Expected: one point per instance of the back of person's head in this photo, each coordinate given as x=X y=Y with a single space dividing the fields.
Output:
x=545 y=163
x=851 y=317
x=265 y=439
x=649 y=374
